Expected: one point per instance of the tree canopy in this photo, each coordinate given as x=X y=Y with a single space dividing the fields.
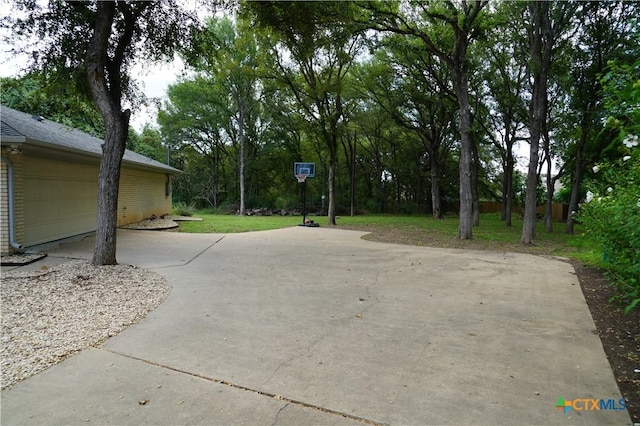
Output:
x=412 y=107
x=93 y=45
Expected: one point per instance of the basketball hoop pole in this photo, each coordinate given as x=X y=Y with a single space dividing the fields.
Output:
x=304 y=202
x=302 y=171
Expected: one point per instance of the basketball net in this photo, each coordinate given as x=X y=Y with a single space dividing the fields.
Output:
x=301 y=178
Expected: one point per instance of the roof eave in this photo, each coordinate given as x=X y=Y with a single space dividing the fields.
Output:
x=98 y=157
x=12 y=139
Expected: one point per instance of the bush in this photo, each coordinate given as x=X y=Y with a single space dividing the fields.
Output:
x=611 y=215
x=183 y=209
x=612 y=218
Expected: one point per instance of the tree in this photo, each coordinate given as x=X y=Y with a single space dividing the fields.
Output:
x=503 y=106
x=315 y=45
x=118 y=31
x=420 y=99
x=451 y=47
x=549 y=24
x=193 y=118
x=226 y=56
x=38 y=94
x=609 y=33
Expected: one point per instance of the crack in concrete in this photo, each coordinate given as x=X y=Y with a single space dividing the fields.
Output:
x=288 y=401
x=194 y=257
x=275 y=420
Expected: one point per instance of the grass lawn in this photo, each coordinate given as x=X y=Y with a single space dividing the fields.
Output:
x=226 y=224
x=492 y=234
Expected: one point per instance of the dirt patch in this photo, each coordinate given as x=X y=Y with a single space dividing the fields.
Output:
x=619 y=333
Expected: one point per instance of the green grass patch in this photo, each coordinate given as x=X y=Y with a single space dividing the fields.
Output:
x=492 y=234
x=225 y=224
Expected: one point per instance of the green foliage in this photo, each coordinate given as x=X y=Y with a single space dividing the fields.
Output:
x=183 y=209
x=147 y=143
x=41 y=94
x=612 y=213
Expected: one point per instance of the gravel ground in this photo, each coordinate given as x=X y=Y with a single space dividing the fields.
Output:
x=50 y=314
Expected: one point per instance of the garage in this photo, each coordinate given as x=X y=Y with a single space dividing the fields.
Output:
x=50 y=182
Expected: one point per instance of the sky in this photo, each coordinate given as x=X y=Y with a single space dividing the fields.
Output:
x=153 y=80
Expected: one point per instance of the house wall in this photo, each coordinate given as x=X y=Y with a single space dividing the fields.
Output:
x=142 y=194
x=56 y=199
x=4 y=209
x=59 y=199
x=18 y=182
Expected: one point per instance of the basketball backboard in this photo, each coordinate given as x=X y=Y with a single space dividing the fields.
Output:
x=308 y=169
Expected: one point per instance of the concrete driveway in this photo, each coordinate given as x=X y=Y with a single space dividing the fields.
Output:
x=317 y=326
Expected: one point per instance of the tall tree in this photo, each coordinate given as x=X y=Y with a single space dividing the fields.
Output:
x=226 y=55
x=505 y=81
x=194 y=116
x=117 y=32
x=549 y=24
x=426 y=23
x=315 y=45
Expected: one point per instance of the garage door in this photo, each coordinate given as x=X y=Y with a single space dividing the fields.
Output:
x=59 y=199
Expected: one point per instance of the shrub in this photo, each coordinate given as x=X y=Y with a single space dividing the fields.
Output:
x=611 y=215
x=183 y=209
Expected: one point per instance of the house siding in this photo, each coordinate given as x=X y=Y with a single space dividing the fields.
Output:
x=142 y=195
x=4 y=209
x=18 y=182
x=56 y=199
x=17 y=163
x=59 y=199
x=56 y=181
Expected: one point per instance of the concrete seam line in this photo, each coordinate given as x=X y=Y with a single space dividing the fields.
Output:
x=194 y=257
x=199 y=254
x=255 y=391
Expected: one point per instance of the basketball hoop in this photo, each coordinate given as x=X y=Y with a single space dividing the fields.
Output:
x=301 y=177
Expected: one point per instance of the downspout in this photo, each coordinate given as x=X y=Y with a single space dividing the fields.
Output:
x=12 y=206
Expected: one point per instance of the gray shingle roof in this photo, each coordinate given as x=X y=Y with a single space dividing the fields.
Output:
x=56 y=135
x=6 y=130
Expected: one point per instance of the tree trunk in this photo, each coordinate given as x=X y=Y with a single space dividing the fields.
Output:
x=241 y=118
x=108 y=187
x=548 y=210
x=465 y=226
x=474 y=186
x=541 y=56
x=352 y=195
x=508 y=186
x=331 y=209
x=107 y=99
x=436 y=203
x=575 y=186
